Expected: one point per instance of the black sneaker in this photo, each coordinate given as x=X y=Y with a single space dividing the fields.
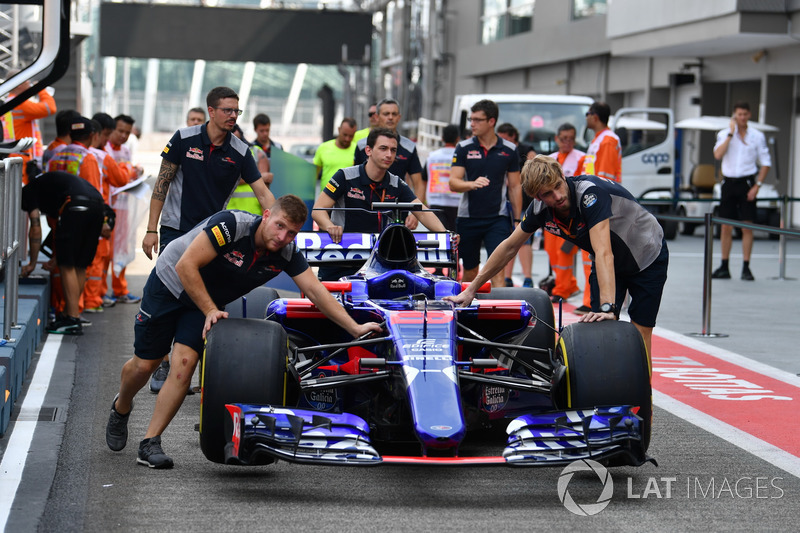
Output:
x=159 y=377
x=722 y=273
x=85 y=322
x=582 y=310
x=151 y=454
x=66 y=326
x=747 y=275
x=117 y=427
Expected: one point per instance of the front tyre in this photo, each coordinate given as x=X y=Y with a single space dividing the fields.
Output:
x=604 y=363
x=244 y=362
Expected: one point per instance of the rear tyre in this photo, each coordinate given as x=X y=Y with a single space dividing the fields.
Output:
x=254 y=303
x=604 y=363
x=543 y=333
x=244 y=362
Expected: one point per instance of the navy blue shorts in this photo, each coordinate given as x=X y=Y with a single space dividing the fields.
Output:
x=161 y=319
x=733 y=202
x=474 y=231
x=645 y=288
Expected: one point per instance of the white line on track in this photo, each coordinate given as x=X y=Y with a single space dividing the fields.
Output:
x=20 y=441
x=730 y=357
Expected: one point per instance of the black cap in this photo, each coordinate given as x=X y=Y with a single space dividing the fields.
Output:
x=80 y=123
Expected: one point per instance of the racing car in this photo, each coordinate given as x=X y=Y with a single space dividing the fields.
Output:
x=285 y=383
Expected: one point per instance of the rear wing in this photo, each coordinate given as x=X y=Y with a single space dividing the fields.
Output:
x=433 y=249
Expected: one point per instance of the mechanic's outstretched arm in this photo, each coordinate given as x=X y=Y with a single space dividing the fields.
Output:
x=504 y=252
x=264 y=195
x=322 y=218
x=600 y=236
x=319 y=296
x=199 y=253
x=165 y=176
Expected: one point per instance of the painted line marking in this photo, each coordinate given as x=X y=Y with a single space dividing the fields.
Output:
x=19 y=443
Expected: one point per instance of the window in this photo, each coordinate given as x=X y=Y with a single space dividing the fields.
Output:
x=588 y=8
x=503 y=18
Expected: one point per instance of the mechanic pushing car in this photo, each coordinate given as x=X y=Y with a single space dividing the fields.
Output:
x=221 y=259
x=603 y=218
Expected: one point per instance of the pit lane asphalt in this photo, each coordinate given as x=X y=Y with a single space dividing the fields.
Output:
x=94 y=489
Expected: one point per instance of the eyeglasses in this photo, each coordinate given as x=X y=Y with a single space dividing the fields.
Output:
x=371 y=113
x=477 y=119
x=590 y=113
x=230 y=111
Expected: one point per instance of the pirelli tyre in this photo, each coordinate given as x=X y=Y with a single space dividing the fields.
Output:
x=253 y=304
x=603 y=363
x=543 y=333
x=244 y=362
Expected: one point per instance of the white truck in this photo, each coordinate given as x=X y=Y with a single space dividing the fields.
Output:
x=647 y=136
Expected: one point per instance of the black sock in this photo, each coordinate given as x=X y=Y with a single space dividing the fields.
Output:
x=724 y=264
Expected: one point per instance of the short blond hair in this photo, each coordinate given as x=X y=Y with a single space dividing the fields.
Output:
x=541 y=172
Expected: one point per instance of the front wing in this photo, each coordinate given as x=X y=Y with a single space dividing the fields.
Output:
x=611 y=434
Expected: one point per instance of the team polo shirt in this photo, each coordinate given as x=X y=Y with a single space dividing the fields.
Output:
x=406 y=161
x=331 y=158
x=49 y=191
x=238 y=267
x=636 y=235
x=206 y=175
x=351 y=187
x=495 y=163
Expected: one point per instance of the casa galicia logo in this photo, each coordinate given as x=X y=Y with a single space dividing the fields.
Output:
x=585 y=509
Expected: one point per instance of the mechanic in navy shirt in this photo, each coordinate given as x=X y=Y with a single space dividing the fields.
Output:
x=200 y=169
x=603 y=218
x=359 y=187
x=485 y=168
x=221 y=259
x=406 y=163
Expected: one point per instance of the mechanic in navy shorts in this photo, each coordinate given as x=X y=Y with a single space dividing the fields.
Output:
x=486 y=169
x=79 y=212
x=221 y=259
x=200 y=168
x=359 y=187
x=603 y=218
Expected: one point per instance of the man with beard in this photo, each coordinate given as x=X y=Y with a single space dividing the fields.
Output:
x=201 y=167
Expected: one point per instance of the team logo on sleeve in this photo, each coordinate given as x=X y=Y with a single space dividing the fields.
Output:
x=218 y=235
x=589 y=200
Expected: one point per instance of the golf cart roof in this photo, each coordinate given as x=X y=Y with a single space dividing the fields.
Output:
x=709 y=123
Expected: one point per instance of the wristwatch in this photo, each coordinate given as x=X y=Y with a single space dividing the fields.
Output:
x=758 y=184
x=608 y=308
x=730 y=135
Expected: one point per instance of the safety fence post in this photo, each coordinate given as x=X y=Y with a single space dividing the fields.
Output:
x=708 y=258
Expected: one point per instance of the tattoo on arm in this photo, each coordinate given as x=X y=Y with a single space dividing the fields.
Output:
x=165 y=176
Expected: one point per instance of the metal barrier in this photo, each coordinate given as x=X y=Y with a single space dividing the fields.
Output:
x=708 y=223
x=10 y=238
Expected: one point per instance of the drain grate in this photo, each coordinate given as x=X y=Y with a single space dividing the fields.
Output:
x=46 y=414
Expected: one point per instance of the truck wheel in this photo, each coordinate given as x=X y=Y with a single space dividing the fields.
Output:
x=244 y=362
x=604 y=363
x=686 y=228
x=254 y=302
x=774 y=220
x=670 y=227
x=542 y=334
